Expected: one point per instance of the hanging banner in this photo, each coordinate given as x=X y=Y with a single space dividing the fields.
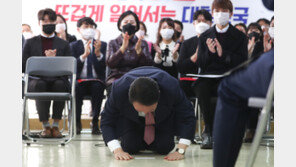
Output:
x=106 y=13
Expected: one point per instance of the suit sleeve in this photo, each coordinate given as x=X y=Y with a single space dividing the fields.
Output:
x=184 y=64
x=203 y=53
x=74 y=53
x=185 y=118
x=100 y=65
x=109 y=117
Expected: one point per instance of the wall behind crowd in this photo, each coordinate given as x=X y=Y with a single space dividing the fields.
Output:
x=106 y=13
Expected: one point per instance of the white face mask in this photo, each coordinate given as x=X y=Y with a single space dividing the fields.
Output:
x=60 y=27
x=140 y=33
x=167 y=33
x=221 y=18
x=27 y=35
x=88 y=33
x=201 y=27
x=271 y=32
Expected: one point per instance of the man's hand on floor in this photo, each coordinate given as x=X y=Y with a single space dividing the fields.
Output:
x=175 y=156
x=119 y=154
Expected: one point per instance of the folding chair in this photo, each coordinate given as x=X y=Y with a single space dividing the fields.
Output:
x=51 y=67
x=266 y=104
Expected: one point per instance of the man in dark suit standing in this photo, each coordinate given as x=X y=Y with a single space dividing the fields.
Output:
x=91 y=68
x=221 y=48
x=49 y=45
x=145 y=110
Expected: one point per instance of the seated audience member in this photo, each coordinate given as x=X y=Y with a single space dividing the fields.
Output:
x=264 y=24
x=27 y=31
x=49 y=45
x=221 y=48
x=242 y=27
x=178 y=30
x=145 y=110
x=202 y=21
x=143 y=32
x=62 y=29
x=165 y=51
x=91 y=69
x=255 y=45
x=127 y=51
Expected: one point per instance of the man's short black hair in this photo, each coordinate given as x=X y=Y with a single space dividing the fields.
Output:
x=255 y=25
x=203 y=12
x=180 y=23
x=51 y=14
x=271 y=19
x=144 y=90
x=87 y=21
x=265 y=21
x=123 y=15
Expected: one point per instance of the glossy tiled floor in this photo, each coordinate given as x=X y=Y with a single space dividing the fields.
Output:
x=91 y=152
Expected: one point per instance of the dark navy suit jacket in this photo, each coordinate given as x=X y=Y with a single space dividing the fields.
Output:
x=173 y=115
x=77 y=49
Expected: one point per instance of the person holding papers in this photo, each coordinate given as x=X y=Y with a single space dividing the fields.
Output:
x=221 y=48
x=202 y=21
x=145 y=110
x=91 y=67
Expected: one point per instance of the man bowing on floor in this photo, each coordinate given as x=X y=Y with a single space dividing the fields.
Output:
x=145 y=110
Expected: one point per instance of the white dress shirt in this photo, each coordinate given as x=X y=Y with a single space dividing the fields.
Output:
x=169 y=60
x=223 y=30
x=84 y=69
x=114 y=144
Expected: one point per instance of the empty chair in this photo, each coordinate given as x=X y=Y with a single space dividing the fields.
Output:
x=51 y=67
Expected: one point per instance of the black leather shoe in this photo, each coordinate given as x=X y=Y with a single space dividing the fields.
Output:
x=207 y=142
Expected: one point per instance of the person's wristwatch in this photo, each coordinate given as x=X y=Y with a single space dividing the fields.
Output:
x=180 y=151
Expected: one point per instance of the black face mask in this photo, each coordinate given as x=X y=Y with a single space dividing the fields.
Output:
x=129 y=28
x=254 y=34
x=48 y=28
x=178 y=34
